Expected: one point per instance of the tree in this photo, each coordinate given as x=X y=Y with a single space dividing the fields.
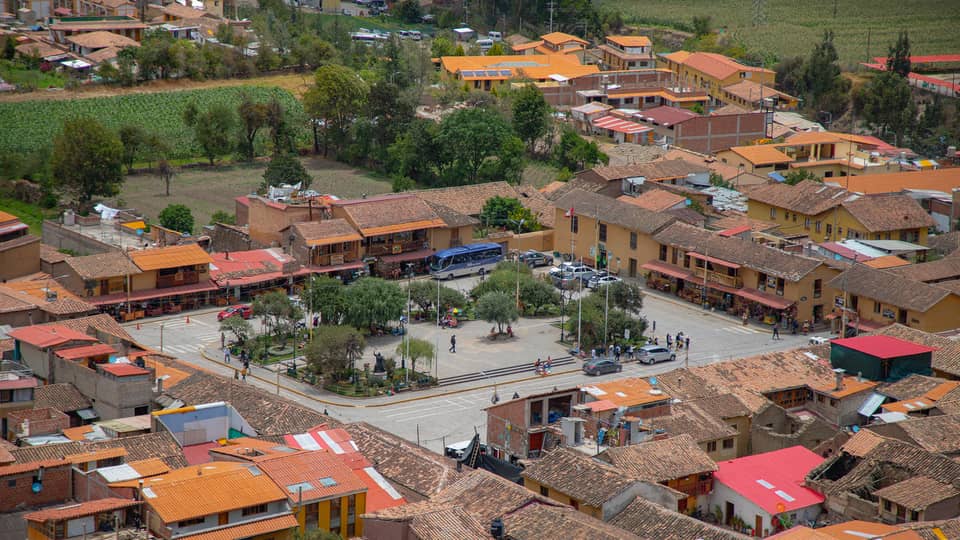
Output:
x=87 y=160
x=702 y=25
x=334 y=349
x=238 y=326
x=415 y=349
x=497 y=210
x=9 y=47
x=825 y=87
x=310 y=50
x=324 y=295
x=473 y=141
x=409 y=11
x=789 y=75
x=442 y=46
x=165 y=170
x=177 y=217
x=286 y=169
x=334 y=100
x=591 y=325
x=373 y=302
x=497 y=307
x=623 y=295
x=531 y=116
x=496 y=50
x=253 y=116
x=796 y=176
x=416 y=153
x=133 y=138
x=887 y=104
x=223 y=217
x=278 y=312
x=538 y=294
x=898 y=60
x=211 y=129
x=424 y=295
x=576 y=153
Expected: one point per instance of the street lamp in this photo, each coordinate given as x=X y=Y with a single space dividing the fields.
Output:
x=606 y=306
x=403 y=330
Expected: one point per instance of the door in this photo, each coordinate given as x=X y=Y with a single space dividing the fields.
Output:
x=632 y=268
x=728 y=516
x=758 y=525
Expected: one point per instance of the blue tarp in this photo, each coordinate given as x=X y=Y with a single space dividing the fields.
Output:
x=776 y=176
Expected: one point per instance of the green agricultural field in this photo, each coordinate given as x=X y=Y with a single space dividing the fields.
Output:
x=29 y=125
x=794 y=27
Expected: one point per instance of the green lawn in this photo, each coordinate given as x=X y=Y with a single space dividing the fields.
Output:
x=794 y=27
x=30 y=214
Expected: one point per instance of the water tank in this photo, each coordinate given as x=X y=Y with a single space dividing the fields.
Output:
x=69 y=218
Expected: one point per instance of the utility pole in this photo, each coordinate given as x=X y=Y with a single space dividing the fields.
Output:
x=551 y=5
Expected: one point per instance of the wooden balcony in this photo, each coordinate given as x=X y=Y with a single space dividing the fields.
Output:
x=377 y=250
x=329 y=259
x=180 y=278
x=716 y=277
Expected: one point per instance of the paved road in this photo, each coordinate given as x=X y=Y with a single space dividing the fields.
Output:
x=451 y=414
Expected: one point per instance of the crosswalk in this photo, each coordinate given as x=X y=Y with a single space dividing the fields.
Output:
x=744 y=330
x=201 y=333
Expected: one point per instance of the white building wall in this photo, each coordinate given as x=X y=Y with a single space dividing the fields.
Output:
x=747 y=510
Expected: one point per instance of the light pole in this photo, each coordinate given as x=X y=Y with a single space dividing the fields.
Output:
x=580 y=311
x=403 y=329
x=161 y=337
x=606 y=306
x=517 y=255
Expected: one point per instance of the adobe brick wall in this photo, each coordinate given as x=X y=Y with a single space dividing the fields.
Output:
x=21 y=256
x=61 y=237
x=43 y=421
x=709 y=134
x=57 y=488
x=514 y=439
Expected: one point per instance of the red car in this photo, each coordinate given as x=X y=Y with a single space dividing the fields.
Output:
x=243 y=310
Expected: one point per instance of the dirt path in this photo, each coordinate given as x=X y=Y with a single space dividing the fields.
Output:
x=295 y=83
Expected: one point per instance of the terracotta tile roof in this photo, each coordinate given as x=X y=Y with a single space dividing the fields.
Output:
x=149 y=467
x=20 y=468
x=947 y=356
x=63 y=397
x=889 y=287
x=47 y=336
x=102 y=325
x=917 y=493
x=326 y=474
x=578 y=476
x=525 y=46
x=808 y=198
x=886 y=261
x=715 y=65
x=538 y=204
x=722 y=406
x=686 y=385
x=613 y=211
x=123 y=370
x=753 y=92
x=384 y=214
x=626 y=392
x=911 y=386
x=220 y=487
x=934 y=433
x=170 y=257
x=934 y=530
x=267 y=413
x=73 y=511
x=651 y=520
x=862 y=442
x=561 y=37
x=935 y=180
x=487 y=496
x=467 y=199
x=403 y=463
x=693 y=420
x=248 y=530
x=849 y=387
x=759 y=257
x=655 y=200
x=447 y=522
x=662 y=460
x=101 y=39
x=946 y=244
x=103 y=265
x=96 y=455
x=739 y=220
x=451 y=217
x=127 y=23
x=10 y=302
x=50 y=254
x=939 y=270
x=630 y=41
x=653 y=171
x=328 y=231
x=889 y=212
x=768 y=372
x=539 y=521
x=160 y=445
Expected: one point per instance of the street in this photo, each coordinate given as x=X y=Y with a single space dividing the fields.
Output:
x=449 y=414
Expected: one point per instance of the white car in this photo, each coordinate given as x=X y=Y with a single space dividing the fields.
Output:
x=564 y=268
x=600 y=281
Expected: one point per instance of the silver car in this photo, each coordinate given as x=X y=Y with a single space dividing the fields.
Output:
x=651 y=354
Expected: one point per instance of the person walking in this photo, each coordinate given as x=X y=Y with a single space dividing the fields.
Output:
x=654 y=326
x=223 y=340
x=776 y=332
x=243 y=374
x=546 y=366
x=687 y=343
x=536 y=366
x=453 y=344
x=669 y=342
x=226 y=354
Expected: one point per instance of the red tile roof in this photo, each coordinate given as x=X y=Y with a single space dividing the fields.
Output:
x=123 y=370
x=48 y=336
x=86 y=351
x=80 y=510
x=667 y=116
x=882 y=346
x=782 y=470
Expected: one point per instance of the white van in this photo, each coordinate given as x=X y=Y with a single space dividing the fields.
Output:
x=485 y=45
x=415 y=35
x=495 y=36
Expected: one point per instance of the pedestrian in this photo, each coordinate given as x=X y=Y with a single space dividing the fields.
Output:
x=483 y=271
x=656 y=340
x=654 y=326
x=687 y=343
x=546 y=366
x=516 y=395
x=453 y=343
x=536 y=366
x=669 y=342
x=776 y=332
x=223 y=340
x=616 y=351
x=243 y=374
x=316 y=321
x=226 y=354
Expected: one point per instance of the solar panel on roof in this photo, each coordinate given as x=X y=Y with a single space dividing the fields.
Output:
x=505 y=72
x=466 y=73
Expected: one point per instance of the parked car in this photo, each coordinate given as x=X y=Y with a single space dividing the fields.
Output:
x=599 y=366
x=581 y=272
x=563 y=267
x=651 y=354
x=601 y=279
x=242 y=310
x=534 y=259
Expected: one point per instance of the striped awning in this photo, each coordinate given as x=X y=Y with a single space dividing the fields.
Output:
x=620 y=125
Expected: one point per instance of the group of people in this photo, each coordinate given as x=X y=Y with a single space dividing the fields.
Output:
x=543 y=368
x=676 y=343
x=244 y=359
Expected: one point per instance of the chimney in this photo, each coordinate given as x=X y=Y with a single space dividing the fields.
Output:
x=459 y=466
x=199 y=471
x=496 y=529
x=838 y=374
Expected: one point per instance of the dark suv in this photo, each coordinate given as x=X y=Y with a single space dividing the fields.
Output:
x=533 y=259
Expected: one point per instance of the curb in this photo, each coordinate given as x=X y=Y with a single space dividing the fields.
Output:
x=204 y=354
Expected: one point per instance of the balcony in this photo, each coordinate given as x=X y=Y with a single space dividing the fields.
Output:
x=393 y=248
x=180 y=278
x=328 y=259
x=715 y=277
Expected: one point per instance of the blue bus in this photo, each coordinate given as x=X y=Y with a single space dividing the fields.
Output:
x=465 y=260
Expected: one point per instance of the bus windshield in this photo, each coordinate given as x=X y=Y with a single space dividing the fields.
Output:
x=439 y=263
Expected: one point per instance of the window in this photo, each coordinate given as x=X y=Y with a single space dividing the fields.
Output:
x=536 y=412
x=817 y=225
x=833 y=402
x=712 y=446
x=603 y=232
x=829 y=229
x=351 y=508
x=335 y=513
x=806 y=223
x=876 y=306
x=773 y=213
x=686 y=260
x=633 y=240
x=887 y=506
x=727 y=444
x=761 y=281
x=190 y=522
x=820 y=398
x=794 y=217
x=575 y=224
x=914 y=515
x=817 y=288
x=12 y=483
x=545 y=491
x=6 y=396
x=140 y=411
x=663 y=253
x=256 y=509
x=781 y=283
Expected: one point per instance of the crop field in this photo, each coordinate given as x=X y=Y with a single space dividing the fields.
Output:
x=792 y=27
x=28 y=125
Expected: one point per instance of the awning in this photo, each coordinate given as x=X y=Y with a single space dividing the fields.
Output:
x=409 y=256
x=334 y=240
x=867 y=326
x=257 y=278
x=619 y=125
x=871 y=405
x=403 y=227
x=78 y=353
x=768 y=300
x=136 y=296
x=667 y=270
x=722 y=288
x=714 y=260
x=14 y=227
x=356 y=265
x=87 y=414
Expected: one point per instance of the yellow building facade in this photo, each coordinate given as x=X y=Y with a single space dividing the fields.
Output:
x=712 y=72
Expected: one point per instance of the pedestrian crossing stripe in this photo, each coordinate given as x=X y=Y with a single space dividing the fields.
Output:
x=742 y=330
